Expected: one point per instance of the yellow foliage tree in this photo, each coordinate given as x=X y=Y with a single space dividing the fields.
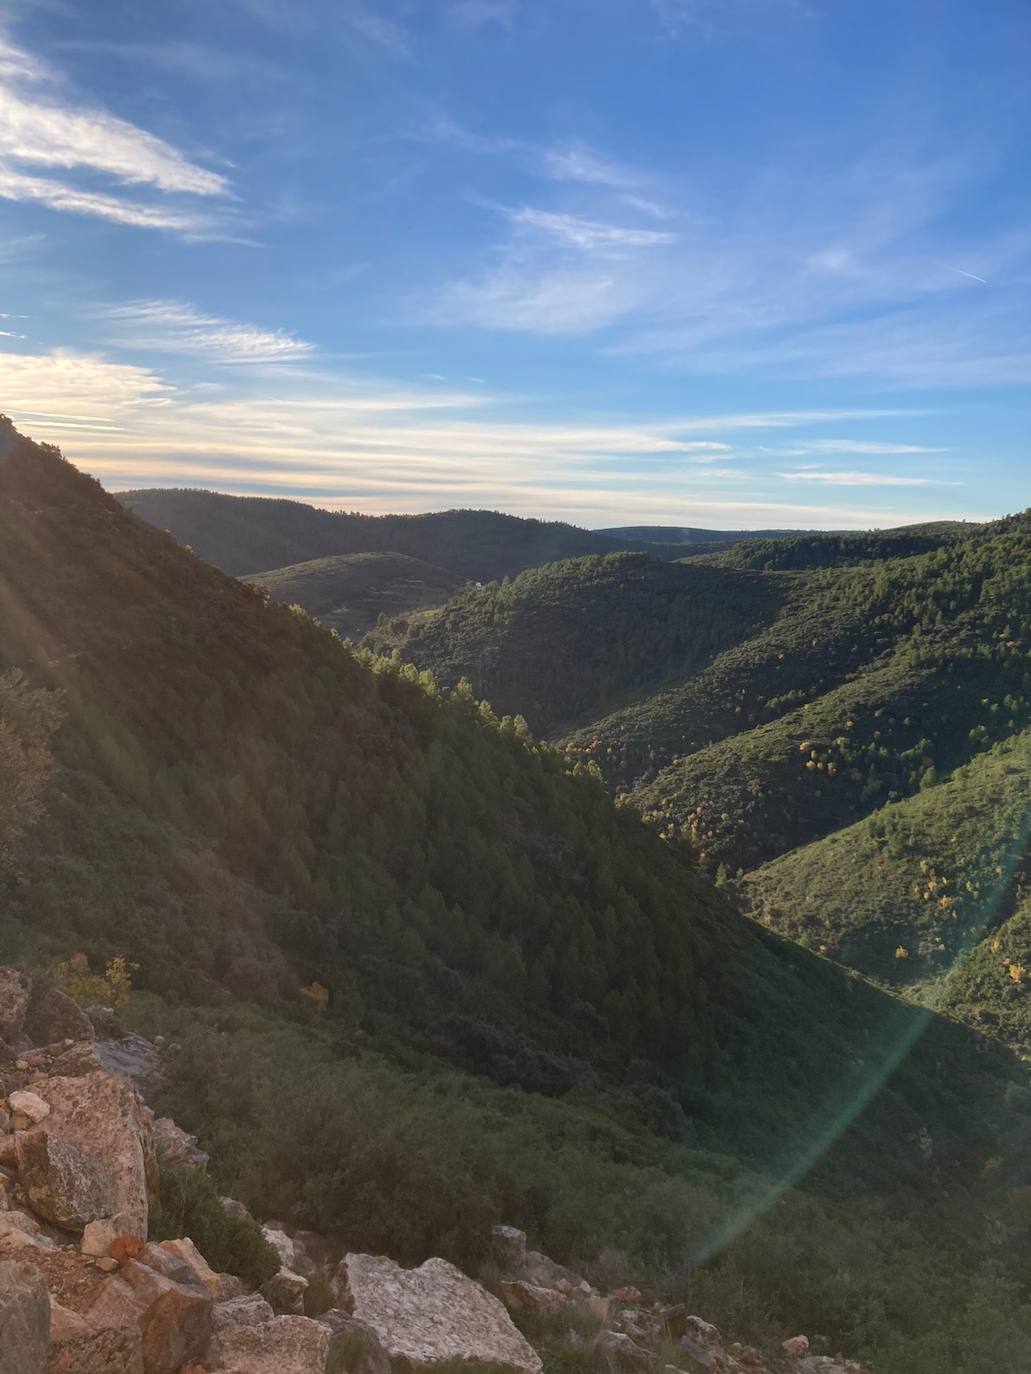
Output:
x=109 y=989
x=317 y=995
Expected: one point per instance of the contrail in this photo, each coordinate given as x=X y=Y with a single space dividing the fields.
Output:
x=972 y=275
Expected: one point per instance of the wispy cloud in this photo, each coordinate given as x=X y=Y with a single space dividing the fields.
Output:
x=578 y=161
x=42 y=127
x=866 y=446
x=860 y=479
x=174 y=327
x=587 y=234
x=475 y=14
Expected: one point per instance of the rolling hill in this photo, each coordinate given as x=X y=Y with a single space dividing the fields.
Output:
x=349 y=592
x=535 y=1010
x=253 y=534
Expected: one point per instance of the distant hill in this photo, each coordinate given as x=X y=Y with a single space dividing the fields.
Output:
x=836 y=550
x=687 y=534
x=253 y=534
x=349 y=592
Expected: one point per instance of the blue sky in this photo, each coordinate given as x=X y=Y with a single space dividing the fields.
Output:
x=715 y=262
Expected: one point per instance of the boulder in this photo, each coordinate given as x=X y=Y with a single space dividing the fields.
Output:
x=174 y=1319
x=190 y=1261
x=282 y=1244
x=545 y=1273
x=508 y=1244
x=18 y=1231
x=285 y=1345
x=15 y=991
x=74 y=1061
x=99 y=1236
x=285 y=1291
x=135 y=1058
x=353 y=1345
x=519 y=1296
x=235 y=1209
x=231 y=1286
x=24 y=1319
x=798 y=1346
x=52 y=1015
x=176 y=1146
x=31 y=1108
x=64 y=1185
x=617 y=1350
x=102 y=1116
x=432 y=1314
x=65 y=1325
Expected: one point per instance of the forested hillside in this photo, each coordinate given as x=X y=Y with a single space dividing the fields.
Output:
x=415 y=959
x=349 y=592
x=253 y=534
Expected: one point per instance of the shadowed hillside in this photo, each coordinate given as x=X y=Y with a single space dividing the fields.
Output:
x=348 y=593
x=252 y=534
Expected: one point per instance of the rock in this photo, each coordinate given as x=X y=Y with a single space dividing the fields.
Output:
x=19 y=1231
x=509 y=1246
x=175 y=1146
x=52 y=1015
x=282 y=1244
x=249 y=1310
x=620 y=1351
x=236 y=1209
x=174 y=1319
x=135 y=1058
x=29 y=1105
x=106 y=1264
x=353 y=1345
x=110 y=1351
x=75 y=1061
x=126 y=1248
x=431 y=1314
x=190 y=1259
x=231 y=1286
x=285 y=1345
x=101 y=1115
x=5 y=1121
x=628 y=1294
x=24 y=1319
x=702 y=1330
x=8 y=1151
x=519 y=1296
x=65 y=1325
x=796 y=1345
x=63 y=1184
x=15 y=991
x=103 y=1018
x=8 y=1184
x=545 y=1273
x=285 y=1291
x=99 y=1236
x=315 y=1250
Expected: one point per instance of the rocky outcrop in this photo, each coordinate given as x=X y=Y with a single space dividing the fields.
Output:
x=52 y=1015
x=63 y=1185
x=432 y=1314
x=353 y=1344
x=101 y=1115
x=135 y=1058
x=173 y=1145
x=24 y=1319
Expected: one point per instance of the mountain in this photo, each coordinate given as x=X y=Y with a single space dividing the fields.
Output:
x=422 y=975
x=823 y=550
x=349 y=592
x=252 y=534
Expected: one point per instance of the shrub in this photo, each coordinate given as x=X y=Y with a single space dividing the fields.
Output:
x=189 y=1205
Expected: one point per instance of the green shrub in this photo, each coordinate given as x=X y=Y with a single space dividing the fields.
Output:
x=189 y=1205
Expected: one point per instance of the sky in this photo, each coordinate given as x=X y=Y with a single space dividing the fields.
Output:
x=729 y=263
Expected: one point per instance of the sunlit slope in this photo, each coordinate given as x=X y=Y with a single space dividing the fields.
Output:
x=243 y=807
x=349 y=592
x=906 y=893
x=252 y=534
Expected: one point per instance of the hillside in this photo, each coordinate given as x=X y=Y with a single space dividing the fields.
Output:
x=687 y=534
x=423 y=976
x=348 y=593
x=904 y=894
x=252 y=534
x=574 y=637
x=792 y=551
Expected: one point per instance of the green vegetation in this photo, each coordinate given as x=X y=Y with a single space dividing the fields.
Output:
x=350 y=592
x=571 y=638
x=904 y=894
x=537 y=1011
x=28 y=718
x=189 y=1205
x=251 y=534
x=785 y=552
